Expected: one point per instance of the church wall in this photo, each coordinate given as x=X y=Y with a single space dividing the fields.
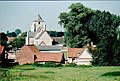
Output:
x=46 y=38
x=31 y=40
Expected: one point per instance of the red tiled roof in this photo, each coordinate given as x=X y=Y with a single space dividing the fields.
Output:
x=73 y=52
x=33 y=49
x=49 y=57
x=1 y=49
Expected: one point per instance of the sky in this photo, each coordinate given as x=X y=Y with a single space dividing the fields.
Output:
x=20 y=14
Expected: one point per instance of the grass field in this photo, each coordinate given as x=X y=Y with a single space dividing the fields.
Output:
x=33 y=73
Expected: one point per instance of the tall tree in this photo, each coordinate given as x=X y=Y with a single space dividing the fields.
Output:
x=17 y=31
x=73 y=22
x=84 y=25
x=3 y=39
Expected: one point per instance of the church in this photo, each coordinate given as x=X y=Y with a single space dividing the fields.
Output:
x=38 y=34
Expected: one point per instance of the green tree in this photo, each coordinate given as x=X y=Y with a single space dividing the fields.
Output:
x=17 y=31
x=18 y=42
x=84 y=25
x=73 y=22
x=52 y=33
x=24 y=34
x=3 y=39
x=11 y=34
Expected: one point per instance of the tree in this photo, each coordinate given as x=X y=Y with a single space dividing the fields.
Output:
x=56 y=33
x=84 y=25
x=52 y=33
x=73 y=22
x=18 y=42
x=11 y=34
x=3 y=39
x=24 y=34
x=60 y=34
x=104 y=26
x=17 y=31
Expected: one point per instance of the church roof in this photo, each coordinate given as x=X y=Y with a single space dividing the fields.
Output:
x=32 y=34
x=40 y=34
x=49 y=47
x=39 y=19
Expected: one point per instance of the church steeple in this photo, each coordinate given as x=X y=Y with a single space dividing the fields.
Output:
x=39 y=17
x=38 y=24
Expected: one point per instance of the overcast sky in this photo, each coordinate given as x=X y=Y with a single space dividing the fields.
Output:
x=20 y=14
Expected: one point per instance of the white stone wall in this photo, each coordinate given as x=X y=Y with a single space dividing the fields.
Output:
x=85 y=54
x=83 y=61
x=31 y=40
x=69 y=60
x=46 y=38
x=42 y=24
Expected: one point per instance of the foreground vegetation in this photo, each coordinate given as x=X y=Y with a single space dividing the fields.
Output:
x=62 y=73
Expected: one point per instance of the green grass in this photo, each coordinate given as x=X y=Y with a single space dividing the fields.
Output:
x=33 y=73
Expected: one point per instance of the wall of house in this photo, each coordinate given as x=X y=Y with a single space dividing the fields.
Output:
x=85 y=54
x=84 y=58
x=72 y=60
x=25 y=56
x=85 y=61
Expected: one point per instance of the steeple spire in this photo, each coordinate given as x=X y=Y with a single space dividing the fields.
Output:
x=39 y=17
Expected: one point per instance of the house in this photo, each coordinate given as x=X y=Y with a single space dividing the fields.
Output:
x=27 y=54
x=50 y=57
x=39 y=35
x=30 y=54
x=79 y=56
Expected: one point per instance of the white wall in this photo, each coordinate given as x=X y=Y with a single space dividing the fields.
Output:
x=46 y=38
x=31 y=40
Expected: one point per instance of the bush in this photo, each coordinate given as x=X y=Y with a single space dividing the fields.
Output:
x=71 y=65
x=48 y=64
x=51 y=64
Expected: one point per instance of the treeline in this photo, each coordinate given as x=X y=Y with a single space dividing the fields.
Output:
x=19 y=38
x=84 y=25
x=56 y=33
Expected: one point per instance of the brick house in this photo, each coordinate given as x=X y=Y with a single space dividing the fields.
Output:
x=79 y=56
x=27 y=54
x=30 y=54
